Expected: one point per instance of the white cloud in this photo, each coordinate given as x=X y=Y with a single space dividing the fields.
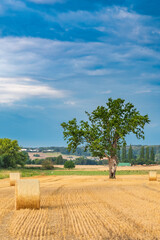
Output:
x=123 y=13
x=16 y=89
x=101 y=29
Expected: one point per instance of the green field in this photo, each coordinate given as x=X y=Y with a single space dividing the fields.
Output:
x=63 y=172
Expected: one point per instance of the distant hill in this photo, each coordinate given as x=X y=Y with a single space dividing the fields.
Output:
x=80 y=150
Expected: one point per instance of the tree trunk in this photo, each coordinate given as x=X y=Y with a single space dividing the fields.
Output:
x=112 y=167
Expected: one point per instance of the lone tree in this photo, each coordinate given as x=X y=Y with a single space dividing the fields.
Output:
x=106 y=130
x=69 y=164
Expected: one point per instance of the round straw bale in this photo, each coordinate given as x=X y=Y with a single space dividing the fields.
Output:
x=27 y=194
x=152 y=176
x=13 y=178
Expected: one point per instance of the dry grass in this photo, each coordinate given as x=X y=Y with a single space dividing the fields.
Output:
x=13 y=178
x=27 y=194
x=152 y=176
x=103 y=168
x=85 y=208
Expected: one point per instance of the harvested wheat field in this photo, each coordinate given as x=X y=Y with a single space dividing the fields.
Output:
x=89 y=208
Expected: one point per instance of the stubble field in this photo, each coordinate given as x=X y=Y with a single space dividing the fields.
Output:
x=84 y=207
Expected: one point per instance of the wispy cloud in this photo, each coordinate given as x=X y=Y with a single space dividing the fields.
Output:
x=46 y=1
x=16 y=89
x=62 y=60
x=14 y=4
x=98 y=72
x=153 y=125
x=113 y=21
x=106 y=92
x=152 y=75
x=35 y=55
x=143 y=91
x=70 y=103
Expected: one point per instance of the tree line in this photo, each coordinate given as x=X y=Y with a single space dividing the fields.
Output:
x=61 y=161
x=12 y=156
x=145 y=156
x=80 y=151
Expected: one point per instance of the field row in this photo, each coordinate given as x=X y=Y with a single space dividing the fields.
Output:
x=85 y=208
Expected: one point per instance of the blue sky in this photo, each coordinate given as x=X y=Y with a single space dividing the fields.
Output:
x=59 y=58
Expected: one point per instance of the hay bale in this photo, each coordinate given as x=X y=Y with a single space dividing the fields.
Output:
x=13 y=178
x=152 y=176
x=27 y=194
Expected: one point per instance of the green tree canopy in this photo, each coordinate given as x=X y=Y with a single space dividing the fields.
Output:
x=47 y=164
x=106 y=129
x=124 y=154
x=130 y=154
x=10 y=154
x=147 y=154
x=152 y=154
x=142 y=153
x=69 y=164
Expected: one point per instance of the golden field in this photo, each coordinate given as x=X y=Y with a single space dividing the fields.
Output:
x=105 y=167
x=84 y=207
